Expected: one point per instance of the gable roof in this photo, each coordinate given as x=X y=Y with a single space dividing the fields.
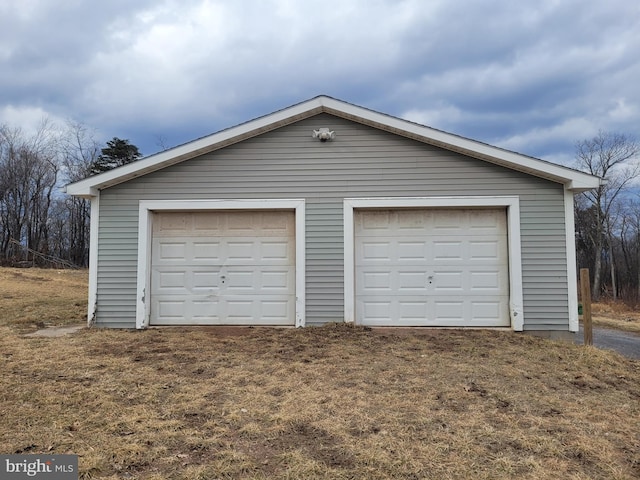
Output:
x=574 y=180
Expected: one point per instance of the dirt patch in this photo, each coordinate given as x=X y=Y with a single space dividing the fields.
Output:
x=52 y=332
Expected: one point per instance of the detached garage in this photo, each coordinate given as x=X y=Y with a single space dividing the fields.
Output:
x=326 y=211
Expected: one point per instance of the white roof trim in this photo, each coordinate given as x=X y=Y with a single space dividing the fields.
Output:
x=573 y=179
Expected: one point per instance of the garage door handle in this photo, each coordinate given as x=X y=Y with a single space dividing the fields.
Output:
x=430 y=278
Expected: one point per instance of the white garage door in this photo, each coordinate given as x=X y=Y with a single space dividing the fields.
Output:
x=223 y=268
x=431 y=267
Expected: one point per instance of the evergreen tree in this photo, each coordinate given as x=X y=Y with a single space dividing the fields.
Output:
x=118 y=152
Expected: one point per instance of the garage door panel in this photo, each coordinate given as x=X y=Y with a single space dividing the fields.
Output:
x=406 y=311
x=449 y=310
x=447 y=281
x=205 y=280
x=240 y=251
x=239 y=281
x=487 y=311
x=277 y=312
x=413 y=311
x=407 y=222
x=270 y=309
x=487 y=221
x=374 y=221
x=435 y=267
x=178 y=280
x=205 y=309
x=235 y=268
x=205 y=224
x=248 y=279
x=173 y=222
x=277 y=280
x=412 y=281
x=223 y=224
x=412 y=251
x=229 y=310
x=389 y=250
x=376 y=251
x=447 y=250
x=276 y=251
x=171 y=312
x=280 y=251
x=172 y=280
x=375 y=311
x=172 y=251
x=453 y=223
x=377 y=279
x=485 y=250
x=257 y=252
x=240 y=308
x=206 y=252
x=487 y=281
x=418 y=311
x=171 y=308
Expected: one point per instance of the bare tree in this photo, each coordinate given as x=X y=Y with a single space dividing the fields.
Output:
x=29 y=174
x=79 y=151
x=39 y=225
x=161 y=142
x=629 y=240
x=610 y=156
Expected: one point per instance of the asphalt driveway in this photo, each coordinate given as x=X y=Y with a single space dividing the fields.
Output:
x=626 y=343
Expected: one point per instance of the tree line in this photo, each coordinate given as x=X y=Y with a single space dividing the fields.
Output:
x=39 y=224
x=608 y=218
x=42 y=226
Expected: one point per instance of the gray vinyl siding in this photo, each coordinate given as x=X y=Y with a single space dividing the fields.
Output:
x=360 y=162
x=325 y=256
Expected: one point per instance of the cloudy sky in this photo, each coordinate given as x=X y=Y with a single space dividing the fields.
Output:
x=533 y=76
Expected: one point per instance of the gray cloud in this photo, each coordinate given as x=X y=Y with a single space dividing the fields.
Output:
x=534 y=77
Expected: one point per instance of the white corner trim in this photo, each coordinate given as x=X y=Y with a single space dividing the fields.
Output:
x=93 y=259
x=301 y=260
x=516 y=302
x=143 y=279
x=572 y=279
x=349 y=262
x=145 y=218
x=512 y=204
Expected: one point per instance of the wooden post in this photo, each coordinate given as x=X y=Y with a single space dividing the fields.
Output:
x=585 y=290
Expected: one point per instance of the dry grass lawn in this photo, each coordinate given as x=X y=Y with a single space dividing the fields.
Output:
x=616 y=315
x=336 y=402
x=32 y=298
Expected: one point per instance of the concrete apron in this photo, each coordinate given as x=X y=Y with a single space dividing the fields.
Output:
x=52 y=332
